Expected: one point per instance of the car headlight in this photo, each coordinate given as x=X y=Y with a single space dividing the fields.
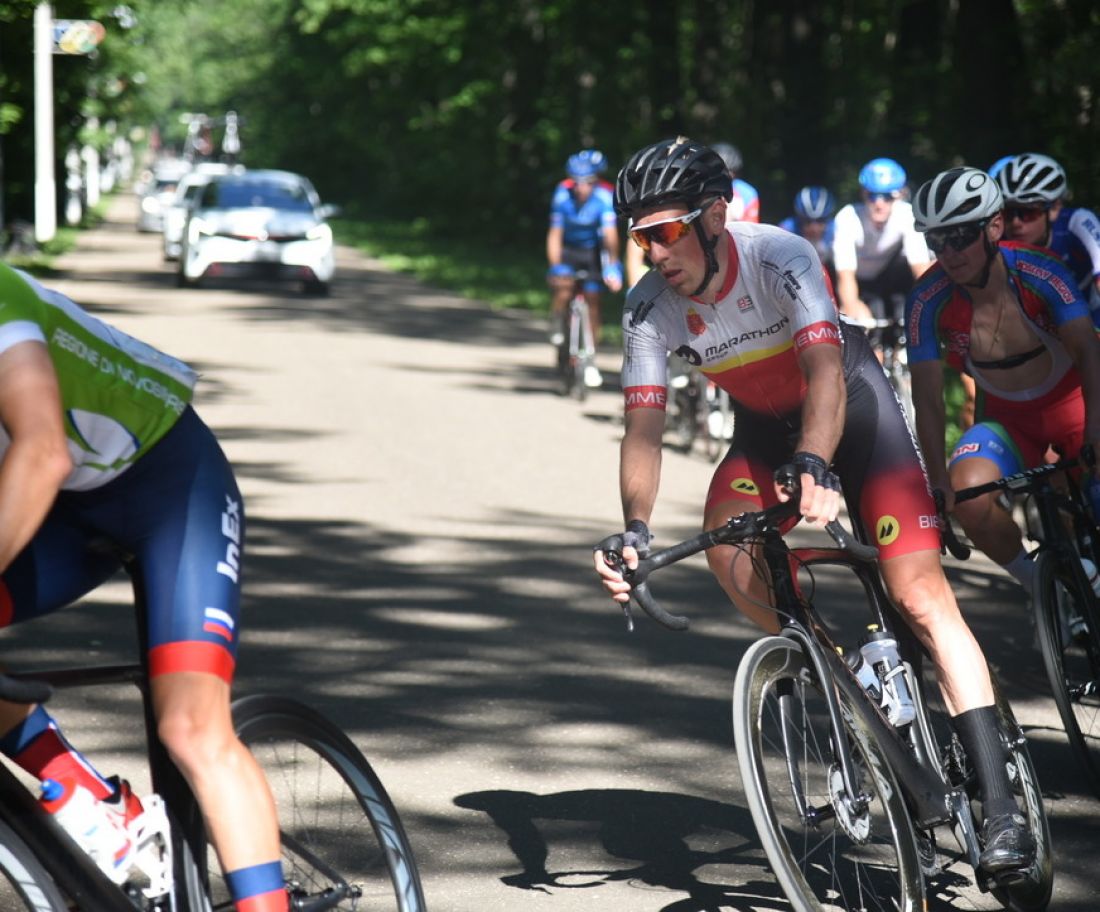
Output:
x=150 y=204
x=320 y=232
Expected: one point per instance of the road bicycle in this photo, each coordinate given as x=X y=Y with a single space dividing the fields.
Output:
x=1066 y=610
x=849 y=806
x=888 y=339
x=343 y=844
x=576 y=352
x=699 y=409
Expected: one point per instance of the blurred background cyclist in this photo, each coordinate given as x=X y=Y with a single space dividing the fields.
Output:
x=583 y=238
x=1034 y=189
x=814 y=208
x=877 y=253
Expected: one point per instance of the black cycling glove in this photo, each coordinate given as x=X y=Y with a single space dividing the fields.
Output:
x=636 y=536
x=817 y=468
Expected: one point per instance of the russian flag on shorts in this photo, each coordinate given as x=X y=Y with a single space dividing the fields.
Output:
x=218 y=622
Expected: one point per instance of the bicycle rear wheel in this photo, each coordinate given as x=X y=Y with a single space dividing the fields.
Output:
x=828 y=857
x=1070 y=644
x=344 y=847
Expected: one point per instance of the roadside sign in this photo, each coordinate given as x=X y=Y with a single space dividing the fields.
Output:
x=77 y=36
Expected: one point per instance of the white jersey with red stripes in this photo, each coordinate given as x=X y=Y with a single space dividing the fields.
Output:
x=774 y=304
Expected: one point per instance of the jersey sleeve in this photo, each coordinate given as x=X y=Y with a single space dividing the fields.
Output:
x=645 y=350
x=1085 y=226
x=922 y=305
x=608 y=219
x=22 y=314
x=557 y=207
x=800 y=286
x=845 y=237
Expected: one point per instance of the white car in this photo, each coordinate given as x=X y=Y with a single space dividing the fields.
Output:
x=267 y=224
x=187 y=192
x=156 y=192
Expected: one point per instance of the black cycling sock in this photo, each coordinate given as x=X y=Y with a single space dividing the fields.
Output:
x=978 y=730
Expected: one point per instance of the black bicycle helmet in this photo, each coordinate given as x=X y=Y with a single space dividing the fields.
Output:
x=671 y=171
x=730 y=154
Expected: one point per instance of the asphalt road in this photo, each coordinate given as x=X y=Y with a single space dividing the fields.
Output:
x=421 y=512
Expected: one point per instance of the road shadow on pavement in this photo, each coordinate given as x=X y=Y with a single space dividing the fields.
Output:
x=652 y=840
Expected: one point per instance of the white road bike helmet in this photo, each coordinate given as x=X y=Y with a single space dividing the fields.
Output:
x=1032 y=180
x=956 y=197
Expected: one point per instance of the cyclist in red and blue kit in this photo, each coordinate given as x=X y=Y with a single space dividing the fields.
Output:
x=750 y=306
x=1034 y=187
x=1011 y=317
x=583 y=238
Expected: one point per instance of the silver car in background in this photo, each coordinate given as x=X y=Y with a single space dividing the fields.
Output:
x=263 y=224
x=186 y=195
x=156 y=190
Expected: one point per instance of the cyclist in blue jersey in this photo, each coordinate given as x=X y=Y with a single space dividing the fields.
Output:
x=583 y=237
x=813 y=219
x=100 y=444
x=1034 y=187
x=1010 y=316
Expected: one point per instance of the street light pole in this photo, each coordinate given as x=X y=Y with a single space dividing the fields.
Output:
x=45 y=185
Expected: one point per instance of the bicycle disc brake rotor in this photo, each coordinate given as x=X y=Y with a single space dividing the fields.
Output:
x=856 y=825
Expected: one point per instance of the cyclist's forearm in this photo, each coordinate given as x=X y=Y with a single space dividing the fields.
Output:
x=931 y=419
x=640 y=467
x=824 y=408
x=553 y=246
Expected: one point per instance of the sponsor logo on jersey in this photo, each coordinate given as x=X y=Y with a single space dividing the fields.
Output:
x=690 y=355
x=1067 y=294
x=822 y=331
x=887 y=529
x=645 y=397
x=752 y=335
x=695 y=323
x=744 y=486
x=231 y=529
x=745 y=303
x=966 y=449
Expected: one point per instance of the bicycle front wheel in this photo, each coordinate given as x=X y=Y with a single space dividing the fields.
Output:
x=343 y=845
x=826 y=855
x=24 y=883
x=1070 y=644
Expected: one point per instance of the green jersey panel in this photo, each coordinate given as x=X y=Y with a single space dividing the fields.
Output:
x=119 y=395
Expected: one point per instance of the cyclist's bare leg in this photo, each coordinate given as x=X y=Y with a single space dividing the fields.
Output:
x=991 y=527
x=593 y=299
x=561 y=290
x=195 y=724
x=918 y=587
x=734 y=569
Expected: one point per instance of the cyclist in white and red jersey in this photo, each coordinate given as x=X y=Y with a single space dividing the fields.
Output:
x=1034 y=187
x=750 y=305
x=877 y=254
x=99 y=443
x=1008 y=315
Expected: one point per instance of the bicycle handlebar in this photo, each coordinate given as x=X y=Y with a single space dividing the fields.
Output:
x=736 y=530
x=1017 y=483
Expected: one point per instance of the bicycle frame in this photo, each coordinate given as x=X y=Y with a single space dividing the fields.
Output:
x=929 y=796
x=72 y=868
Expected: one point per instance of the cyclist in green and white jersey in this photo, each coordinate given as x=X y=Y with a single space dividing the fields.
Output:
x=98 y=441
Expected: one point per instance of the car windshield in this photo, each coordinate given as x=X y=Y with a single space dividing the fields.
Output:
x=272 y=194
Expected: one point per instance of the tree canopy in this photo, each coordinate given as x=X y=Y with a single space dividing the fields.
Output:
x=463 y=114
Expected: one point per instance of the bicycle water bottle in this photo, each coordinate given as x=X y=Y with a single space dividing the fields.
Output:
x=880 y=651
x=85 y=819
